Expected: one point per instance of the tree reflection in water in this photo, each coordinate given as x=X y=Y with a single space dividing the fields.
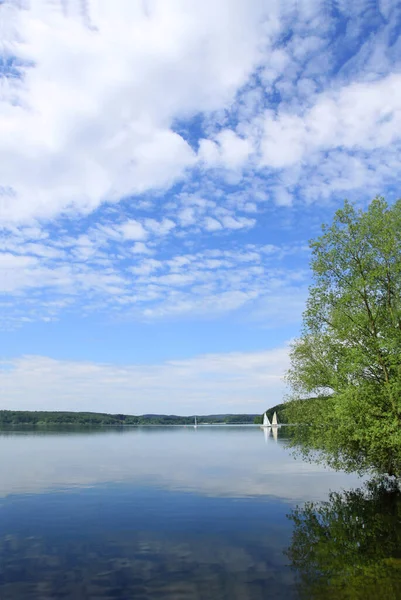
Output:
x=350 y=546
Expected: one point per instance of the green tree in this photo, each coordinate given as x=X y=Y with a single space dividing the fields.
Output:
x=349 y=548
x=349 y=354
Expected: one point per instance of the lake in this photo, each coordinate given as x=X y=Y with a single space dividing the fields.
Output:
x=153 y=512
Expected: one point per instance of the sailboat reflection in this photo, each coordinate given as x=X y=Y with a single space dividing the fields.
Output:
x=269 y=432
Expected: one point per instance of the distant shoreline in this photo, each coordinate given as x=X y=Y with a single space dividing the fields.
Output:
x=46 y=418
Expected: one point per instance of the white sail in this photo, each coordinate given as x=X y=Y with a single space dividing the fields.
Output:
x=266 y=422
x=196 y=424
x=274 y=420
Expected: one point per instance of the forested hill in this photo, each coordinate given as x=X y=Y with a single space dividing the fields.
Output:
x=279 y=409
x=13 y=417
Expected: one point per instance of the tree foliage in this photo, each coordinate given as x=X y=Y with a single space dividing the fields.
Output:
x=349 y=354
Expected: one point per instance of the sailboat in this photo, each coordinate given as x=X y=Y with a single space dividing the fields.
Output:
x=196 y=424
x=266 y=422
x=274 y=420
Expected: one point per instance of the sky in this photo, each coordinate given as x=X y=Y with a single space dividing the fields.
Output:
x=163 y=166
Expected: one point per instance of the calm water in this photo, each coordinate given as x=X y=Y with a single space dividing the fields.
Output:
x=155 y=513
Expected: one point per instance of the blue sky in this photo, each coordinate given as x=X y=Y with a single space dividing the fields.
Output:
x=163 y=165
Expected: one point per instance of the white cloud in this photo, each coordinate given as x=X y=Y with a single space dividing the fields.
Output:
x=353 y=130
x=234 y=382
x=212 y=224
x=132 y=230
x=187 y=216
x=141 y=248
x=228 y=150
x=127 y=99
x=147 y=266
x=351 y=118
x=160 y=227
x=92 y=118
x=237 y=223
x=107 y=124
x=102 y=271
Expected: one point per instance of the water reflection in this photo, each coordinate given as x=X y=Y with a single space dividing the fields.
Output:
x=217 y=461
x=139 y=566
x=271 y=433
x=349 y=547
x=125 y=542
x=151 y=513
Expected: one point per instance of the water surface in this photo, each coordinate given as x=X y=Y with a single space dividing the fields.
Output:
x=152 y=512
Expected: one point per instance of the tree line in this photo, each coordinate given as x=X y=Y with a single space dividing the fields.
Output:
x=43 y=418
